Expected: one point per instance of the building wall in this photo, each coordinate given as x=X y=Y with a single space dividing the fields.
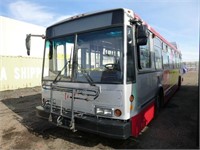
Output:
x=17 y=70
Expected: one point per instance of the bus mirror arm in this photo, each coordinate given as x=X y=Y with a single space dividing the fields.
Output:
x=28 y=41
x=136 y=21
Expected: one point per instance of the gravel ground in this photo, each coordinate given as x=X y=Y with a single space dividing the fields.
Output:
x=175 y=127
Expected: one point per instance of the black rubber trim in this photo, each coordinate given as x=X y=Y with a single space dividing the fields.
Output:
x=105 y=127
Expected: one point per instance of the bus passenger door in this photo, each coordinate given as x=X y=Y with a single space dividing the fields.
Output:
x=146 y=81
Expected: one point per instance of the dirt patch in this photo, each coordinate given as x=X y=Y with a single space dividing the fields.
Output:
x=175 y=127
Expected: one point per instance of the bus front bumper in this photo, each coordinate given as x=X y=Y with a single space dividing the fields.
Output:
x=106 y=127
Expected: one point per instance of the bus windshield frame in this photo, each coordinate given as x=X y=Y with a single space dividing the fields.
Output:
x=95 y=56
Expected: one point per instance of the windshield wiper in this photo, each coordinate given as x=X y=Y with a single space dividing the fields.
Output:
x=88 y=78
x=55 y=80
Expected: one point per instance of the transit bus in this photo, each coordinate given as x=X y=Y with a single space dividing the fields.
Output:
x=108 y=73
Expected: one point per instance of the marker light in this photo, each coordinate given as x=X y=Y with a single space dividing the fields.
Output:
x=131 y=107
x=118 y=112
x=131 y=98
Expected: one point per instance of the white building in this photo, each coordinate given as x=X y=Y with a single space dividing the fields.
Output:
x=12 y=38
x=17 y=70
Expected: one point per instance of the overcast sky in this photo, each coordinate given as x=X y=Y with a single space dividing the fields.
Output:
x=175 y=20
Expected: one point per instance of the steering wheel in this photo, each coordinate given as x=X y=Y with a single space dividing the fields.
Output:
x=110 y=66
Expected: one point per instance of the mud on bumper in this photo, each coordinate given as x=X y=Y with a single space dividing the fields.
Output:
x=105 y=127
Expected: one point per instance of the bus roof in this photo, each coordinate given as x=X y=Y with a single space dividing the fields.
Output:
x=135 y=16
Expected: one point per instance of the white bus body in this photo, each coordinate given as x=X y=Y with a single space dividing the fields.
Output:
x=108 y=73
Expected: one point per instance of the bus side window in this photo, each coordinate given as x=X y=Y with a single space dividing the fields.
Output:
x=144 y=56
x=60 y=57
x=158 y=56
x=177 y=60
x=171 y=59
x=165 y=60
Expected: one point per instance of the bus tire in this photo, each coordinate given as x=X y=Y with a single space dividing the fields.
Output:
x=159 y=102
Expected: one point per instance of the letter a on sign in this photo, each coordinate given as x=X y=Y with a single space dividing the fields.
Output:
x=3 y=75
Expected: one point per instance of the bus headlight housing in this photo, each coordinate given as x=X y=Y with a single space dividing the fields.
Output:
x=104 y=111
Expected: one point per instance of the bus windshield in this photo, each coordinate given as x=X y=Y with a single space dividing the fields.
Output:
x=97 y=55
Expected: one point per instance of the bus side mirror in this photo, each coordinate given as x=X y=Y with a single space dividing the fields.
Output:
x=142 y=34
x=28 y=43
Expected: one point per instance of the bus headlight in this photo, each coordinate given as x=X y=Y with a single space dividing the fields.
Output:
x=104 y=111
x=99 y=111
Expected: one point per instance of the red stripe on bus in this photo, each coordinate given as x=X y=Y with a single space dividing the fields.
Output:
x=142 y=119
